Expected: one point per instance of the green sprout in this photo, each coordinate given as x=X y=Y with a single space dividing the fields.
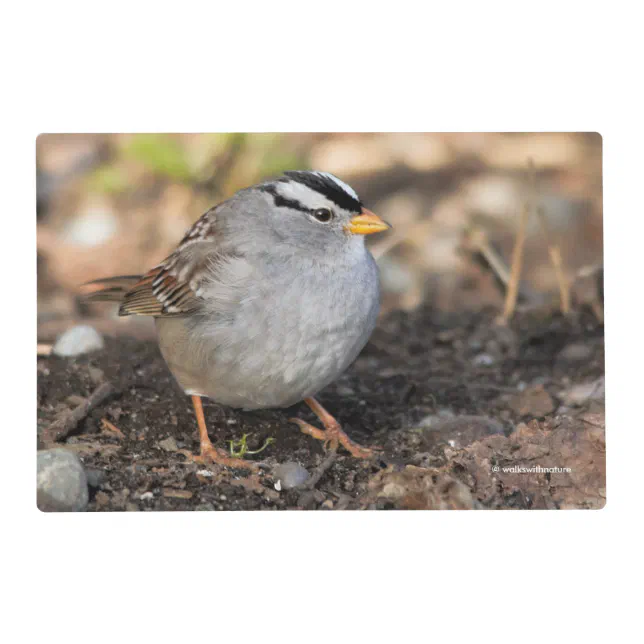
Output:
x=243 y=447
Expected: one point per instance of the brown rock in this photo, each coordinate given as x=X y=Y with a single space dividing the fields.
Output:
x=514 y=471
x=418 y=488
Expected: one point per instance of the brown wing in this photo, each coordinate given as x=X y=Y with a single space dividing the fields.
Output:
x=173 y=287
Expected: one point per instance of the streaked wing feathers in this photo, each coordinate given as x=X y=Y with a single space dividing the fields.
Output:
x=173 y=287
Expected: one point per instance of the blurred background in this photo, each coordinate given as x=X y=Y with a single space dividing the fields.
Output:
x=119 y=203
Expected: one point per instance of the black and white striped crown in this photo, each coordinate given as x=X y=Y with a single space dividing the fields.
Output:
x=329 y=186
x=301 y=189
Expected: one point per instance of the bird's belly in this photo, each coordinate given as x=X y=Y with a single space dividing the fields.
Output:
x=272 y=352
x=277 y=371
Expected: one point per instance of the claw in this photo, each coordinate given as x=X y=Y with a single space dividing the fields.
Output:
x=214 y=455
x=332 y=436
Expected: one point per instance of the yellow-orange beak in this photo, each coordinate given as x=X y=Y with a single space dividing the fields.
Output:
x=366 y=223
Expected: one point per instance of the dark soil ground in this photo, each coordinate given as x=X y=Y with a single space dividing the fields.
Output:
x=451 y=399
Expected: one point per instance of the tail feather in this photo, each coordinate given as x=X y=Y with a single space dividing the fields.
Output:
x=110 y=289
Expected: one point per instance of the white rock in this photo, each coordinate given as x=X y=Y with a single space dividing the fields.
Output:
x=290 y=475
x=78 y=340
x=483 y=360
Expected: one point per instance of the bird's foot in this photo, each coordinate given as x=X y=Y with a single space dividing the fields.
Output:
x=211 y=454
x=333 y=436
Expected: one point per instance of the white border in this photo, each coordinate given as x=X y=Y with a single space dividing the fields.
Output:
x=324 y=576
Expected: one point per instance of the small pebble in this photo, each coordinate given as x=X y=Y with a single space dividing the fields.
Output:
x=169 y=444
x=74 y=400
x=78 y=340
x=96 y=375
x=146 y=496
x=576 y=352
x=483 y=360
x=61 y=482
x=290 y=475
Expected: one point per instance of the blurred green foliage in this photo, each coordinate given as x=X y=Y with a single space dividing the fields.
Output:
x=217 y=162
x=108 y=179
x=160 y=153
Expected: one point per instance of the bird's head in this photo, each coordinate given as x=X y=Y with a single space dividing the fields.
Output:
x=311 y=211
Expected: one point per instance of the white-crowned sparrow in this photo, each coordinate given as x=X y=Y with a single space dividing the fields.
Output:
x=268 y=298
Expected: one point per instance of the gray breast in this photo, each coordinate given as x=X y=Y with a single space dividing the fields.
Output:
x=287 y=334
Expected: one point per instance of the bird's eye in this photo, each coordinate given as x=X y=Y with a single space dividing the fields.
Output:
x=323 y=215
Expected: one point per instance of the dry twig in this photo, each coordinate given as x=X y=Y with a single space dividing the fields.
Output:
x=110 y=428
x=557 y=263
x=319 y=471
x=65 y=424
x=477 y=239
x=554 y=252
x=516 y=266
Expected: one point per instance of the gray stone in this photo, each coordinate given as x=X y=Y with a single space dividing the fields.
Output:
x=78 y=340
x=575 y=352
x=61 y=482
x=290 y=475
